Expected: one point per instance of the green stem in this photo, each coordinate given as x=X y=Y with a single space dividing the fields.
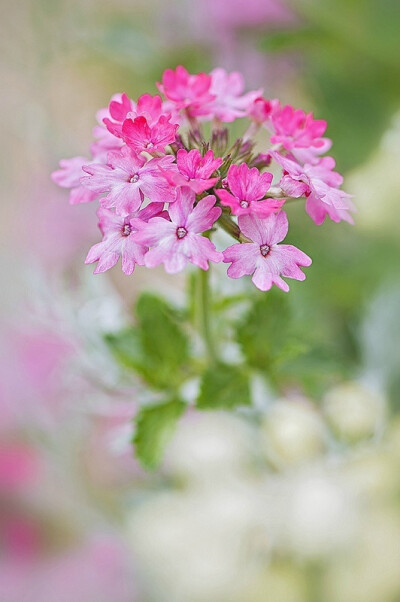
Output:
x=231 y=228
x=203 y=312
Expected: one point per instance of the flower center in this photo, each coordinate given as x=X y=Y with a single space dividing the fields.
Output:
x=244 y=204
x=181 y=232
x=134 y=178
x=149 y=145
x=264 y=250
x=126 y=229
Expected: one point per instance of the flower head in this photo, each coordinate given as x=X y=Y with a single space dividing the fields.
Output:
x=248 y=186
x=177 y=241
x=264 y=257
x=194 y=170
x=187 y=91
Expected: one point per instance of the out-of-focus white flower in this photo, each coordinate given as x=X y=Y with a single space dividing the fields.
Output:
x=208 y=445
x=196 y=545
x=354 y=411
x=293 y=432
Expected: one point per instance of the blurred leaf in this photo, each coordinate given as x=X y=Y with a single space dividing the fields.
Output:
x=155 y=426
x=224 y=387
x=157 y=348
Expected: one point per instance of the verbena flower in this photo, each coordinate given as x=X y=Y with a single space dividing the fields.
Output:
x=155 y=150
x=263 y=256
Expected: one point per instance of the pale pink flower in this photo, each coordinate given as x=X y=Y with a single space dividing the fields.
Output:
x=179 y=241
x=118 y=240
x=187 y=91
x=229 y=102
x=194 y=170
x=248 y=186
x=69 y=176
x=105 y=141
x=261 y=110
x=128 y=179
x=299 y=133
x=320 y=185
x=141 y=136
x=264 y=257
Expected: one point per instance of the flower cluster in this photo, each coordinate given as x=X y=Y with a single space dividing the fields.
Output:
x=164 y=186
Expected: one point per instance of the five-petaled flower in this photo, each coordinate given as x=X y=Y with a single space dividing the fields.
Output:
x=179 y=241
x=248 y=186
x=264 y=257
x=194 y=170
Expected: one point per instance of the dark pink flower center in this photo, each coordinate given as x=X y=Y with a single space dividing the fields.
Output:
x=264 y=250
x=133 y=179
x=244 y=204
x=181 y=232
x=126 y=229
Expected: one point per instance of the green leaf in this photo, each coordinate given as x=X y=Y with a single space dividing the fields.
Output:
x=224 y=387
x=164 y=344
x=265 y=334
x=155 y=426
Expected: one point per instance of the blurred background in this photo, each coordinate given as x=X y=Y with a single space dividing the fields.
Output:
x=300 y=505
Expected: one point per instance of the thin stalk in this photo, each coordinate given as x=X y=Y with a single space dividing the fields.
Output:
x=231 y=228
x=203 y=312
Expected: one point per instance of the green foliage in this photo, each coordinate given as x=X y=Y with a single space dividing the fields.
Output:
x=157 y=348
x=224 y=387
x=155 y=426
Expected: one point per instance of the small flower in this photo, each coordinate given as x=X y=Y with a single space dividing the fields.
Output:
x=69 y=176
x=141 y=136
x=194 y=170
x=128 y=179
x=229 y=102
x=264 y=257
x=320 y=184
x=179 y=241
x=118 y=240
x=187 y=91
x=148 y=106
x=248 y=186
x=261 y=110
x=299 y=133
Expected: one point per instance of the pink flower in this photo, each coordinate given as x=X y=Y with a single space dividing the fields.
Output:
x=194 y=170
x=300 y=133
x=264 y=257
x=320 y=184
x=190 y=92
x=248 y=186
x=262 y=110
x=148 y=106
x=230 y=102
x=69 y=176
x=118 y=240
x=120 y=106
x=179 y=241
x=128 y=178
x=141 y=136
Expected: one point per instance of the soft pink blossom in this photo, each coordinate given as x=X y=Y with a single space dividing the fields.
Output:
x=128 y=179
x=118 y=240
x=262 y=110
x=229 y=102
x=179 y=241
x=300 y=133
x=187 y=91
x=320 y=185
x=194 y=170
x=264 y=257
x=248 y=186
x=69 y=176
x=141 y=136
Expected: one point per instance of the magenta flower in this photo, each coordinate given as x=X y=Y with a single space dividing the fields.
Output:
x=187 y=91
x=299 y=133
x=118 y=239
x=69 y=176
x=248 y=186
x=141 y=136
x=119 y=109
x=320 y=184
x=194 y=170
x=229 y=102
x=128 y=179
x=264 y=257
x=262 y=110
x=179 y=241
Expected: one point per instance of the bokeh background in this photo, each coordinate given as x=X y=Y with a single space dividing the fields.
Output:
x=302 y=506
